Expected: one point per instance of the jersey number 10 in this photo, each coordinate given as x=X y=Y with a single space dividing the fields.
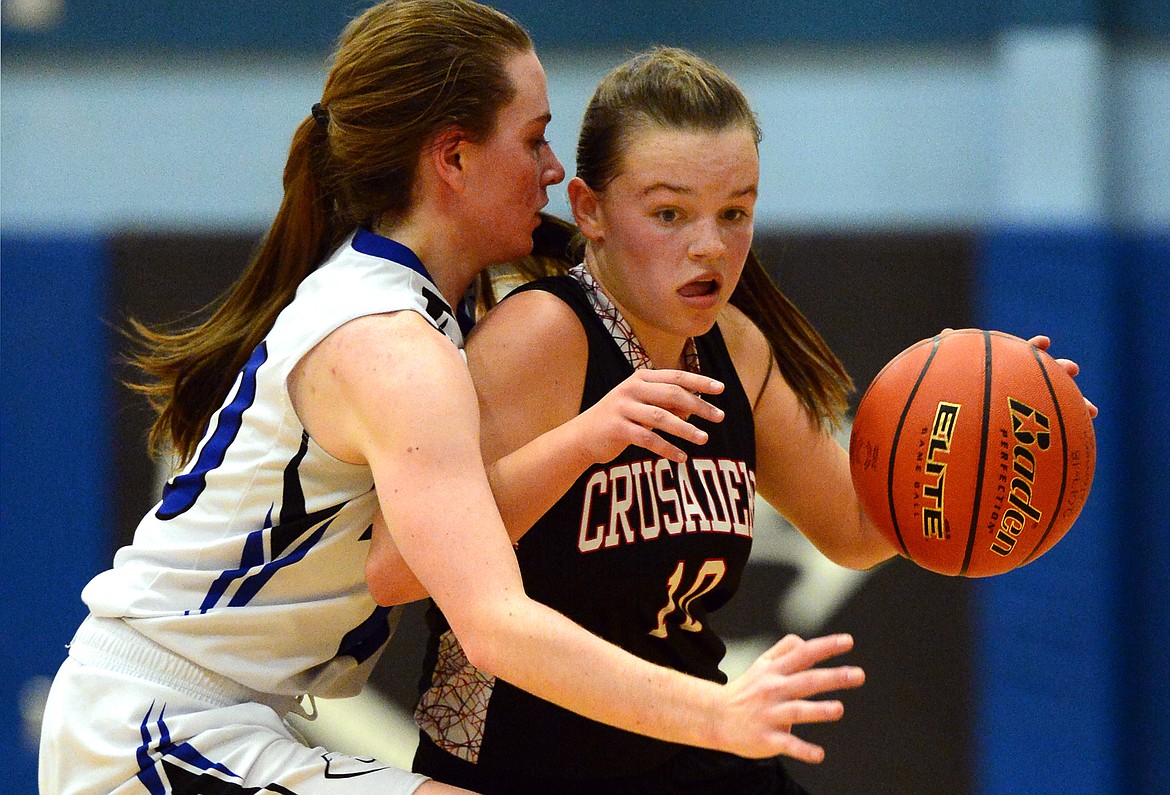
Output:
x=708 y=576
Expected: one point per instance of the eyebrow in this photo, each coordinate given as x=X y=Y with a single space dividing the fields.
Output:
x=751 y=190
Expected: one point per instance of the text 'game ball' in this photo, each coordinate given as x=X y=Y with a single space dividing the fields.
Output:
x=973 y=451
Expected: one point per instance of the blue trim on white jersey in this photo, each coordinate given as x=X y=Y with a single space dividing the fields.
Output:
x=147 y=766
x=373 y=244
x=364 y=640
x=182 y=492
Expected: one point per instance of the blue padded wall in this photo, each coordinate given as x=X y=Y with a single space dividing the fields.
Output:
x=55 y=443
x=1145 y=535
x=1072 y=694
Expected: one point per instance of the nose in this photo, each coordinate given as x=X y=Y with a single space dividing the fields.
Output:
x=553 y=172
x=708 y=242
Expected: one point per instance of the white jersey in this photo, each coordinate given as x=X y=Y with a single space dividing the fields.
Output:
x=252 y=564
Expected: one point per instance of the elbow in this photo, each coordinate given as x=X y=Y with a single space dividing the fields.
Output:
x=392 y=584
x=377 y=583
x=859 y=560
x=481 y=652
x=385 y=595
x=486 y=635
x=861 y=547
x=865 y=551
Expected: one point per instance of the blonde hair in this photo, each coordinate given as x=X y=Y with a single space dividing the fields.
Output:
x=402 y=71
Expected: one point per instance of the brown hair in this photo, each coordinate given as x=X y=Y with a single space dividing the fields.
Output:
x=403 y=71
x=675 y=89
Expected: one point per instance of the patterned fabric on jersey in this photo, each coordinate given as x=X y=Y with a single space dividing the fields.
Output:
x=619 y=329
x=640 y=551
x=252 y=565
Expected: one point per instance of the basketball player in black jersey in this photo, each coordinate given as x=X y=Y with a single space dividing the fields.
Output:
x=639 y=535
x=640 y=542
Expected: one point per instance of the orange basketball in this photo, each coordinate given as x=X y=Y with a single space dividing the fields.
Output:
x=973 y=452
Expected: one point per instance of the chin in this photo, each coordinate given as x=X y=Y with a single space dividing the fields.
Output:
x=523 y=249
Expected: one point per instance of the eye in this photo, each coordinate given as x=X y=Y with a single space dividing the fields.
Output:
x=667 y=215
x=539 y=142
x=735 y=214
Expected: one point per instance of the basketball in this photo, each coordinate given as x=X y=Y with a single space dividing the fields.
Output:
x=973 y=452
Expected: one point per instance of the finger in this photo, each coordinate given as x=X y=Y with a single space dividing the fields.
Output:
x=783 y=646
x=1070 y=367
x=687 y=404
x=812 y=652
x=1092 y=408
x=1040 y=341
x=816 y=681
x=792 y=746
x=692 y=382
x=641 y=436
x=794 y=713
x=660 y=419
x=678 y=401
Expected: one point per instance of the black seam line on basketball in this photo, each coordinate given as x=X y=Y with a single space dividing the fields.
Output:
x=971 y=533
x=1064 y=452
x=894 y=361
x=894 y=445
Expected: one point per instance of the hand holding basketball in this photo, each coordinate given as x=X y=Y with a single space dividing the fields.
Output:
x=974 y=451
x=1072 y=368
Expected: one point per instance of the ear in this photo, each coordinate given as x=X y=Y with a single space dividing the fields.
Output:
x=445 y=156
x=586 y=209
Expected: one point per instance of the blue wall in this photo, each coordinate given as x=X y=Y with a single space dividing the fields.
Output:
x=55 y=465
x=1073 y=688
x=1145 y=540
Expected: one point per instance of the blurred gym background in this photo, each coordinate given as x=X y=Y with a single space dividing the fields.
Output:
x=926 y=163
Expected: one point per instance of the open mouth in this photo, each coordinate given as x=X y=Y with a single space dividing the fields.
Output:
x=699 y=288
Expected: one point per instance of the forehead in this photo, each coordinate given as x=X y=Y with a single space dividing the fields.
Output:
x=672 y=158
x=530 y=102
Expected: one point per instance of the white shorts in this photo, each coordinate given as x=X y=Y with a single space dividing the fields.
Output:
x=126 y=715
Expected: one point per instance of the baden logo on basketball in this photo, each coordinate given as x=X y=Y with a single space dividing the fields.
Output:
x=1023 y=464
x=972 y=452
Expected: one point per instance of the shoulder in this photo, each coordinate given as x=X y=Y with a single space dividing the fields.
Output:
x=397 y=335
x=351 y=292
x=749 y=349
x=381 y=365
x=391 y=353
x=528 y=324
x=527 y=359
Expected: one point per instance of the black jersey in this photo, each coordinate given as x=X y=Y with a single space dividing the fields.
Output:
x=640 y=551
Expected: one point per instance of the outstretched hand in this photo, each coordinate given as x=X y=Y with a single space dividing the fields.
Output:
x=767 y=700
x=1072 y=368
x=646 y=403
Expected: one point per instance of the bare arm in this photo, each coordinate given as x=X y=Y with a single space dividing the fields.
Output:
x=534 y=441
x=389 y=391
x=801 y=470
x=528 y=361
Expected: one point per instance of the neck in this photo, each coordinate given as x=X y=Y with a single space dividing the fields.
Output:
x=664 y=348
x=446 y=263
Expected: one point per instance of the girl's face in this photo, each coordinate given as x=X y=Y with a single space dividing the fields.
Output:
x=669 y=236
x=515 y=167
